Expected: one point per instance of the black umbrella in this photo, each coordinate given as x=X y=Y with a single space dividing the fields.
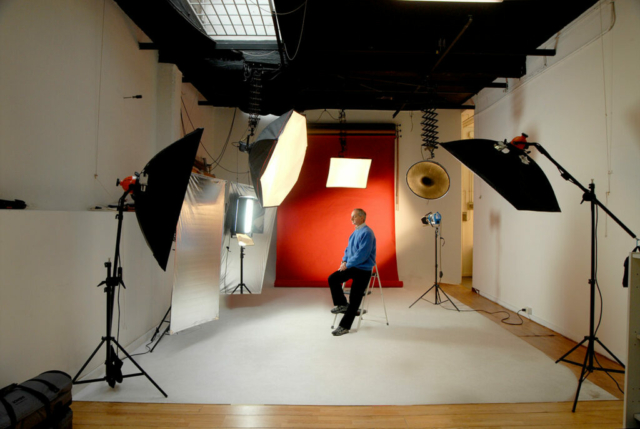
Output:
x=508 y=170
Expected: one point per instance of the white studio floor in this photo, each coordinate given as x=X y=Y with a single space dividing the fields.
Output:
x=277 y=348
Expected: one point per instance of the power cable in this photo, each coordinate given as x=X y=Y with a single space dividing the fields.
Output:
x=286 y=51
x=495 y=312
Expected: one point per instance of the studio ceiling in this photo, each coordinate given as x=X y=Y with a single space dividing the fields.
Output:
x=357 y=54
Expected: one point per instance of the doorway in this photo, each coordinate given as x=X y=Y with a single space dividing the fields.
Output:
x=467 y=206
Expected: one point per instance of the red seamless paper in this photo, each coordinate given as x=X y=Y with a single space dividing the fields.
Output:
x=314 y=222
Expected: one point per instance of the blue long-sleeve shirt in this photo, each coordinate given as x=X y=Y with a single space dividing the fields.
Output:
x=361 y=251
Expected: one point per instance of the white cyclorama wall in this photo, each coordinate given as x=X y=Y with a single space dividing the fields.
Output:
x=542 y=260
x=66 y=134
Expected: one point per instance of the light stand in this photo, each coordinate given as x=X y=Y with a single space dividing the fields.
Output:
x=591 y=339
x=113 y=363
x=436 y=284
x=241 y=285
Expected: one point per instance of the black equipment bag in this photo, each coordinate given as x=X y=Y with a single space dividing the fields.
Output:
x=42 y=402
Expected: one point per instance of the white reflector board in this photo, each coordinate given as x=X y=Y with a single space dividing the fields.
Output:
x=286 y=162
x=348 y=173
x=199 y=236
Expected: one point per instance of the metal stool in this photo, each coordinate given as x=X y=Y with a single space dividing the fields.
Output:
x=364 y=305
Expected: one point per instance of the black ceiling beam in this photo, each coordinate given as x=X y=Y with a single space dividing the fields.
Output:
x=526 y=53
x=381 y=106
x=247 y=45
x=506 y=53
x=437 y=83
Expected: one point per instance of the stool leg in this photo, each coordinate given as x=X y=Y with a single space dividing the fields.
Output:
x=382 y=296
x=336 y=316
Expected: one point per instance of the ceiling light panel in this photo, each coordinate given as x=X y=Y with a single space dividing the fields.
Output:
x=235 y=19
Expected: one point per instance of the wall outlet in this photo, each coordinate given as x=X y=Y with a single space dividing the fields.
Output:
x=528 y=310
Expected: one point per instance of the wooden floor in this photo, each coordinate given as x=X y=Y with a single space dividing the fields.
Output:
x=589 y=415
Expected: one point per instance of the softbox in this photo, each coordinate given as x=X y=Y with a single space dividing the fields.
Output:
x=158 y=204
x=276 y=158
x=508 y=170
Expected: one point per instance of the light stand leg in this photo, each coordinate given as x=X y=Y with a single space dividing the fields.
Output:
x=142 y=371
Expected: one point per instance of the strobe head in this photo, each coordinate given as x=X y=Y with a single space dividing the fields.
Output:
x=432 y=219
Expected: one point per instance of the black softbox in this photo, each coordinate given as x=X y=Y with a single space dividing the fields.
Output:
x=508 y=170
x=158 y=204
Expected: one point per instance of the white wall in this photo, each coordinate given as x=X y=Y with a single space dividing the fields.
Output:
x=66 y=135
x=52 y=315
x=542 y=260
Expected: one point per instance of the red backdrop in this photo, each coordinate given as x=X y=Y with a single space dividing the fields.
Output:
x=314 y=222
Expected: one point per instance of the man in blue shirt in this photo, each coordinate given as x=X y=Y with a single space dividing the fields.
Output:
x=357 y=263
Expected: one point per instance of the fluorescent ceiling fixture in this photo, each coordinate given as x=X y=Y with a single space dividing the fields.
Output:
x=348 y=173
x=235 y=19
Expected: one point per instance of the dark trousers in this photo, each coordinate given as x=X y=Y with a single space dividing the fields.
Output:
x=360 y=282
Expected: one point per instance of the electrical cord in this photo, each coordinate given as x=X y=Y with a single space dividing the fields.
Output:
x=286 y=51
x=596 y=272
x=322 y=113
x=278 y=14
x=257 y=55
x=495 y=312
x=292 y=11
x=607 y=372
x=147 y=346
x=215 y=160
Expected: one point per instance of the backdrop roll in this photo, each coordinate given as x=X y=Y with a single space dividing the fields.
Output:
x=314 y=221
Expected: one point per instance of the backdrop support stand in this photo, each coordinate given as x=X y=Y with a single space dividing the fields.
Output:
x=113 y=363
x=436 y=284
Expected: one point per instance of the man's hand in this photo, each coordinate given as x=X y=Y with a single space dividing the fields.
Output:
x=343 y=266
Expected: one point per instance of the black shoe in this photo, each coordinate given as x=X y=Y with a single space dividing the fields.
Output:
x=340 y=331
x=339 y=309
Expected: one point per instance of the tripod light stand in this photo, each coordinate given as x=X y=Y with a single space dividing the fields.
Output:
x=158 y=193
x=434 y=220
x=508 y=168
x=113 y=363
x=242 y=228
x=242 y=285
